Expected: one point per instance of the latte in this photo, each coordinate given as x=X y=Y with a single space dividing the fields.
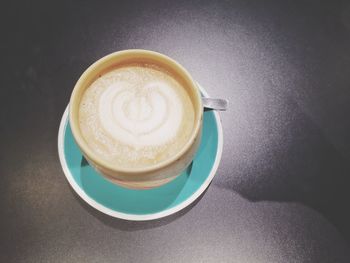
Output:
x=136 y=115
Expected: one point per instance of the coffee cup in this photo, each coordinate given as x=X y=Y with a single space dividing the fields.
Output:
x=136 y=116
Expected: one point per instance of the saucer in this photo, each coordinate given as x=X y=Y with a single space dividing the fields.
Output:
x=139 y=205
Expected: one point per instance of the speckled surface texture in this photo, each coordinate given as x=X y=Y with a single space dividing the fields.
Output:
x=281 y=193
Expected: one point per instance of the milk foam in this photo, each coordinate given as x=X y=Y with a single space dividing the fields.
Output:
x=136 y=115
x=147 y=116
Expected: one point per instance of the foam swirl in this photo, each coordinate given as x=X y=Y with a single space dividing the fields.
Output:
x=140 y=116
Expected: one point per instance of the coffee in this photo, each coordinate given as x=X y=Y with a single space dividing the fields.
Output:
x=136 y=115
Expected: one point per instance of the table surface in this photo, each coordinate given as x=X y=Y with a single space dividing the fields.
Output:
x=282 y=189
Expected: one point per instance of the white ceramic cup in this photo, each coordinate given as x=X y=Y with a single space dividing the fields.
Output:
x=161 y=172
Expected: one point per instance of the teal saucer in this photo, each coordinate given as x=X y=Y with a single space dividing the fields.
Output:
x=139 y=205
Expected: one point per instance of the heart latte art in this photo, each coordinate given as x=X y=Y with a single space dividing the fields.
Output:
x=136 y=115
x=143 y=116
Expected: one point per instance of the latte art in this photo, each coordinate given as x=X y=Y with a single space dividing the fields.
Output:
x=146 y=116
x=136 y=115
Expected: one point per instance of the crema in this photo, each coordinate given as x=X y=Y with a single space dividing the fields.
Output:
x=136 y=115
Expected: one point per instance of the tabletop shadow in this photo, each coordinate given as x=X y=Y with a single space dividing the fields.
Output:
x=307 y=169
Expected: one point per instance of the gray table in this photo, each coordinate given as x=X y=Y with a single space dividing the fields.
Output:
x=281 y=193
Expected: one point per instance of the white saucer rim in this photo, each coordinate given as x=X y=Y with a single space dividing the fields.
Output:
x=135 y=217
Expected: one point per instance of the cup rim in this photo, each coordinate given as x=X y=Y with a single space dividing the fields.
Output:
x=91 y=155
